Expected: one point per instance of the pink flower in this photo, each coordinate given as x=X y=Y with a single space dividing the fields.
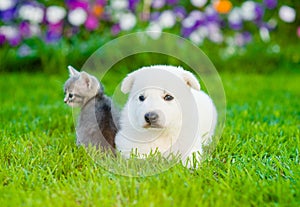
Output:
x=92 y=22
x=74 y=4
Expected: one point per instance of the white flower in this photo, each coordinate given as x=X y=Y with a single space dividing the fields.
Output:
x=272 y=23
x=198 y=3
x=77 y=16
x=209 y=10
x=196 y=38
x=127 y=21
x=192 y=18
x=158 y=4
x=230 y=41
x=31 y=13
x=214 y=33
x=55 y=14
x=119 y=4
x=287 y=14
x=167 y=19
x=199 y=35
x=235 y=16
x=9 y=32
x=154 y=30
x=188 y=22
x=248 y=10
x=35 y=30
x=264 y=34
x=7 y=4
x=216 y=37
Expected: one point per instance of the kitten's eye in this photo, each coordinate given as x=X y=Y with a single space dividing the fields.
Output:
x=70 y=95
x=168 y=97
x=142 y=98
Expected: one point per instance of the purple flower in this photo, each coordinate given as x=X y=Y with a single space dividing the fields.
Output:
x=236 y=25
x=24 y=29
x=12 y=35
x=235 y=18
x=172 y=2
x=270 y=4
x=180 y=12
x=7 y=10
x=259 y=12
x=73 y=4
x=101 y=2
x=54 y=32
x=247 y=37
x=56 y=28
x=52 y=37
x=242 y=39
x=2 y=39
x=211 y=15
x=8 y=15
x=15 y=41
x=192 y=22
x=115 y=29
x=185 y=32
x=154 y=16
x=132 y=4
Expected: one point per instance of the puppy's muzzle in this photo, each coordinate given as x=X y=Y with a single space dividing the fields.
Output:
x=151 y=118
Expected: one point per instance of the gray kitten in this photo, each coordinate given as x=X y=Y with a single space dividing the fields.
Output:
x=96 y=123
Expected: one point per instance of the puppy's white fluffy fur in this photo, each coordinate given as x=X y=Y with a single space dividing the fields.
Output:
x=136 y=134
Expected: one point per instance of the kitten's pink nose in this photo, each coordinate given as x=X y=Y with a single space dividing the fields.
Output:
x=65 y=100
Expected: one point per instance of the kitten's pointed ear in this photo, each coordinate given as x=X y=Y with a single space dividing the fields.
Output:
x=127 y=83
x=73 y=71
x=86 y=79
x=191 y=80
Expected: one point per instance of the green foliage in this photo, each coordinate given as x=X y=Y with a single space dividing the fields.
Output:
x=256 y=163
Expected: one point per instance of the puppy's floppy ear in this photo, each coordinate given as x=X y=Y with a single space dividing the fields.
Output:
x=85 y=77
x=73 y=71
x=191 y=80
x=127 y=83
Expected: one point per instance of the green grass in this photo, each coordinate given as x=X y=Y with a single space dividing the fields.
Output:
x=256 y=163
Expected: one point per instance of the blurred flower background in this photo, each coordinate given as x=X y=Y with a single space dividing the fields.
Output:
x=51 y=34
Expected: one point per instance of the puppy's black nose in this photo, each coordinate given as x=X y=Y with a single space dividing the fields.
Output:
x=151 y=117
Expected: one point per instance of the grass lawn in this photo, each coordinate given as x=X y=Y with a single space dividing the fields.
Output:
x=256 y=163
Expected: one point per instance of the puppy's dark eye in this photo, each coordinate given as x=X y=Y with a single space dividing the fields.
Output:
x=70 y=95
x=142 y=98
x=168 y=97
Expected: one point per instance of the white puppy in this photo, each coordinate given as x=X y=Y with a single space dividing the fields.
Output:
x=165 y=111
